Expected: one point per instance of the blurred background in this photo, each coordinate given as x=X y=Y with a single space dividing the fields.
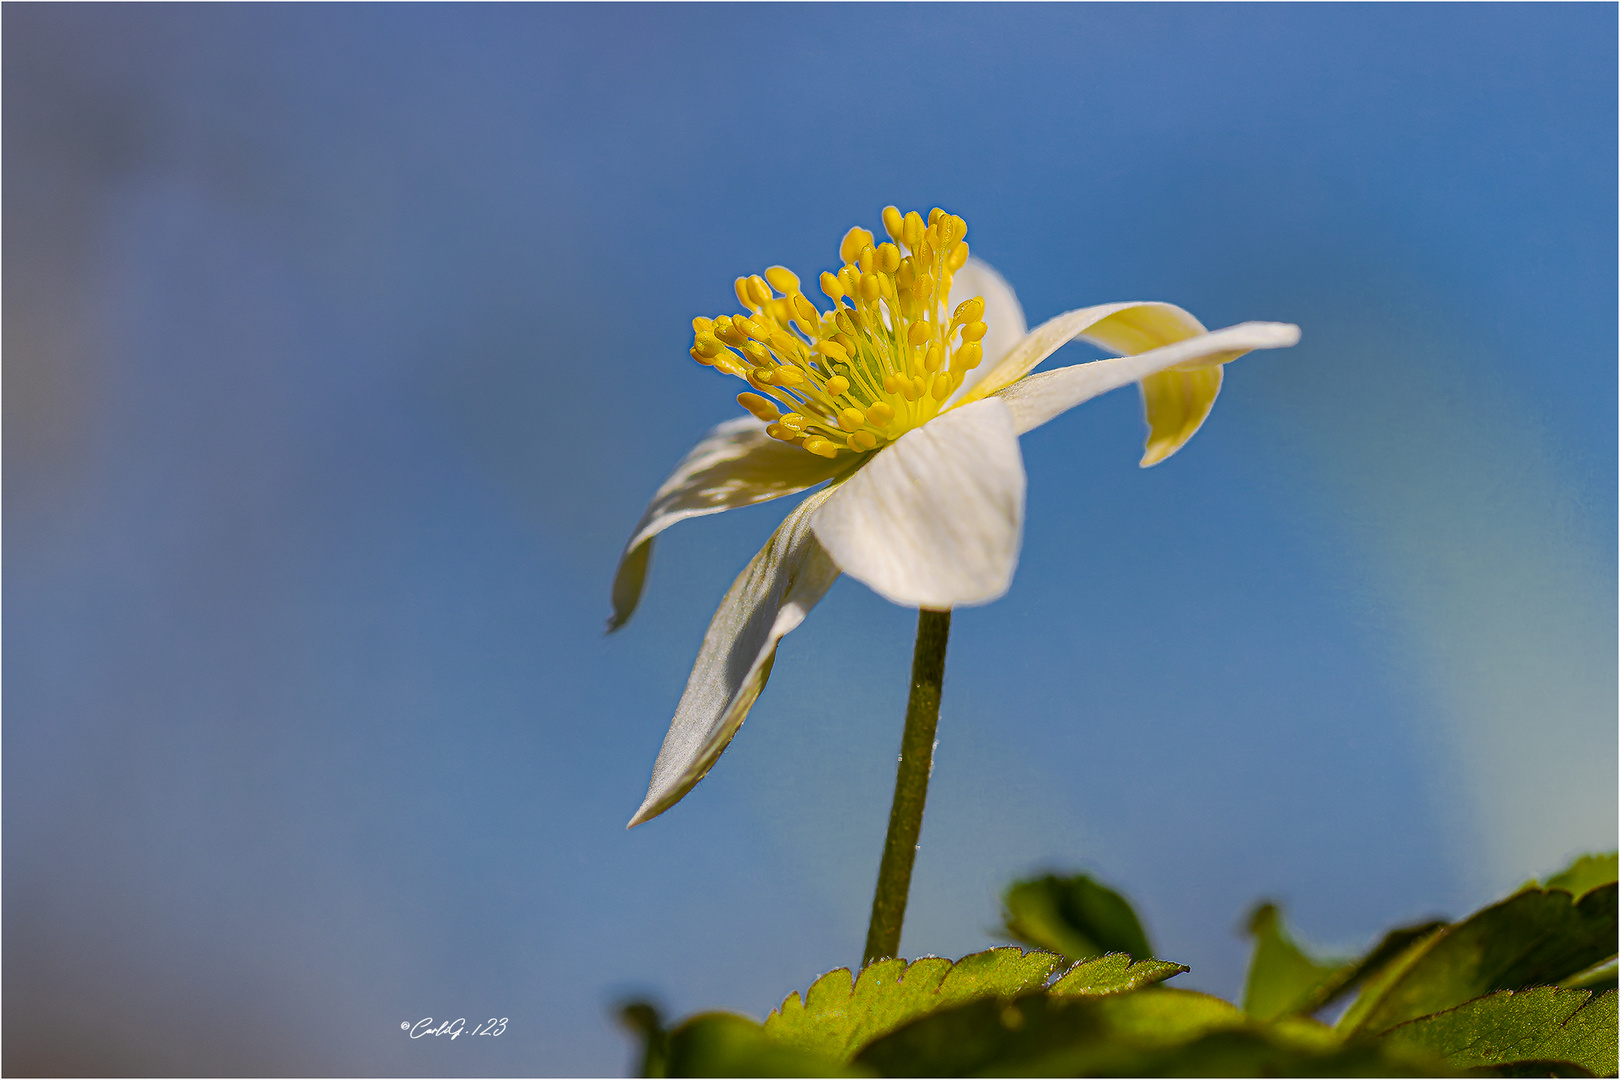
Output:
x=345 y=344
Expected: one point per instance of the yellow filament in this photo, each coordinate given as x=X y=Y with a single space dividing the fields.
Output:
x=884 y=360
x=759 y=406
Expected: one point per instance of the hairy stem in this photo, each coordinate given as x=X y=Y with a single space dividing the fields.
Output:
x=910 y=786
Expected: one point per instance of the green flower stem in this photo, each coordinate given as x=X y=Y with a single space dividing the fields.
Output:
x=910 y=785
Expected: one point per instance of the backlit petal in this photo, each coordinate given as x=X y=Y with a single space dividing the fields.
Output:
x=1003 y=315
x=1175 y=404
x=736 y=464
x=1128 y=328
x=1036 y=399
x=770 y=598
x=935 y=519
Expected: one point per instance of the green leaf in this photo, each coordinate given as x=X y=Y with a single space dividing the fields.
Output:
x=1155 y=1032
x=835 y=1019
x=1534 y=938
x=1586 y=873
x=1598 y=977
x=1075 y=916
x=1114 y=974
x=643 y=1019
x=1282 y=978
x=1510 y=1027
x=724 y=1044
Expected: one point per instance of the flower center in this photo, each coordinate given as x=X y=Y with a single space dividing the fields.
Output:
x=882 y=362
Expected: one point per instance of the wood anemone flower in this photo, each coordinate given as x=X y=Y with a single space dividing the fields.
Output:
x=911 y=408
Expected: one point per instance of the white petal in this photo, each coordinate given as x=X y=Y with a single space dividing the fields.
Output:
x=768 y=599
x=1128 y=328
x=1037 y=399
x=935 y=519
x=1002 y=314
x=736 y=464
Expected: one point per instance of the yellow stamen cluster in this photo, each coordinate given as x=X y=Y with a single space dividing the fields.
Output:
x=880 y=363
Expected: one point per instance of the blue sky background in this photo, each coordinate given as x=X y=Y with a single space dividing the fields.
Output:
x=344 y=344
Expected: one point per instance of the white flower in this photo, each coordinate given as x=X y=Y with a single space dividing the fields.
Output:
x=886 y=397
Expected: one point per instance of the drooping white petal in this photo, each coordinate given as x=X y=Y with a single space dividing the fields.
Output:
x=1128 y=328
x=769 y=598
x=1035 y=400
x=935 y=519
x=735 y=464
x=1003 y=315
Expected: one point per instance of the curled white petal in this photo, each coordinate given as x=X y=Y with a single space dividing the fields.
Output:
x=935 y=519
x=1003 y=315
x=1036 y=399
x=1130 y=327
x=769 y=598
x=735 y=464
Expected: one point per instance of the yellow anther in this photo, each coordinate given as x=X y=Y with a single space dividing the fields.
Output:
x=788 y=376
x=913 y=388
x=868 y=260
x=973 y=331
x=906 y=276
x=760 y=291
x=918 y=334
x=794 y=420
x=848 y=277
x=706 y=361
x=833 y=349
x=830 y=285
x=959 y=257
x=862 y=440
x=892 y=383
x=879 y=414
x=923 y=288
x=760 y=407
x=705 y=344
x=837 y=386
x=847 y=323
x=854 y=240
x=782 y=280
x=968 y=311
x=932 y=357
x=888 y=258
x=820 y=447
x=913 y=229
x=781 y=432
x=786 y=344
x=851 y=419
x=893 y=222
x=701 y=324
x=941 y=386
x=968 y=356
x=728 y=363
x=755 y=352
x=870 y=289
x=806 y=311
x=745 y=295
x=934 y=215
